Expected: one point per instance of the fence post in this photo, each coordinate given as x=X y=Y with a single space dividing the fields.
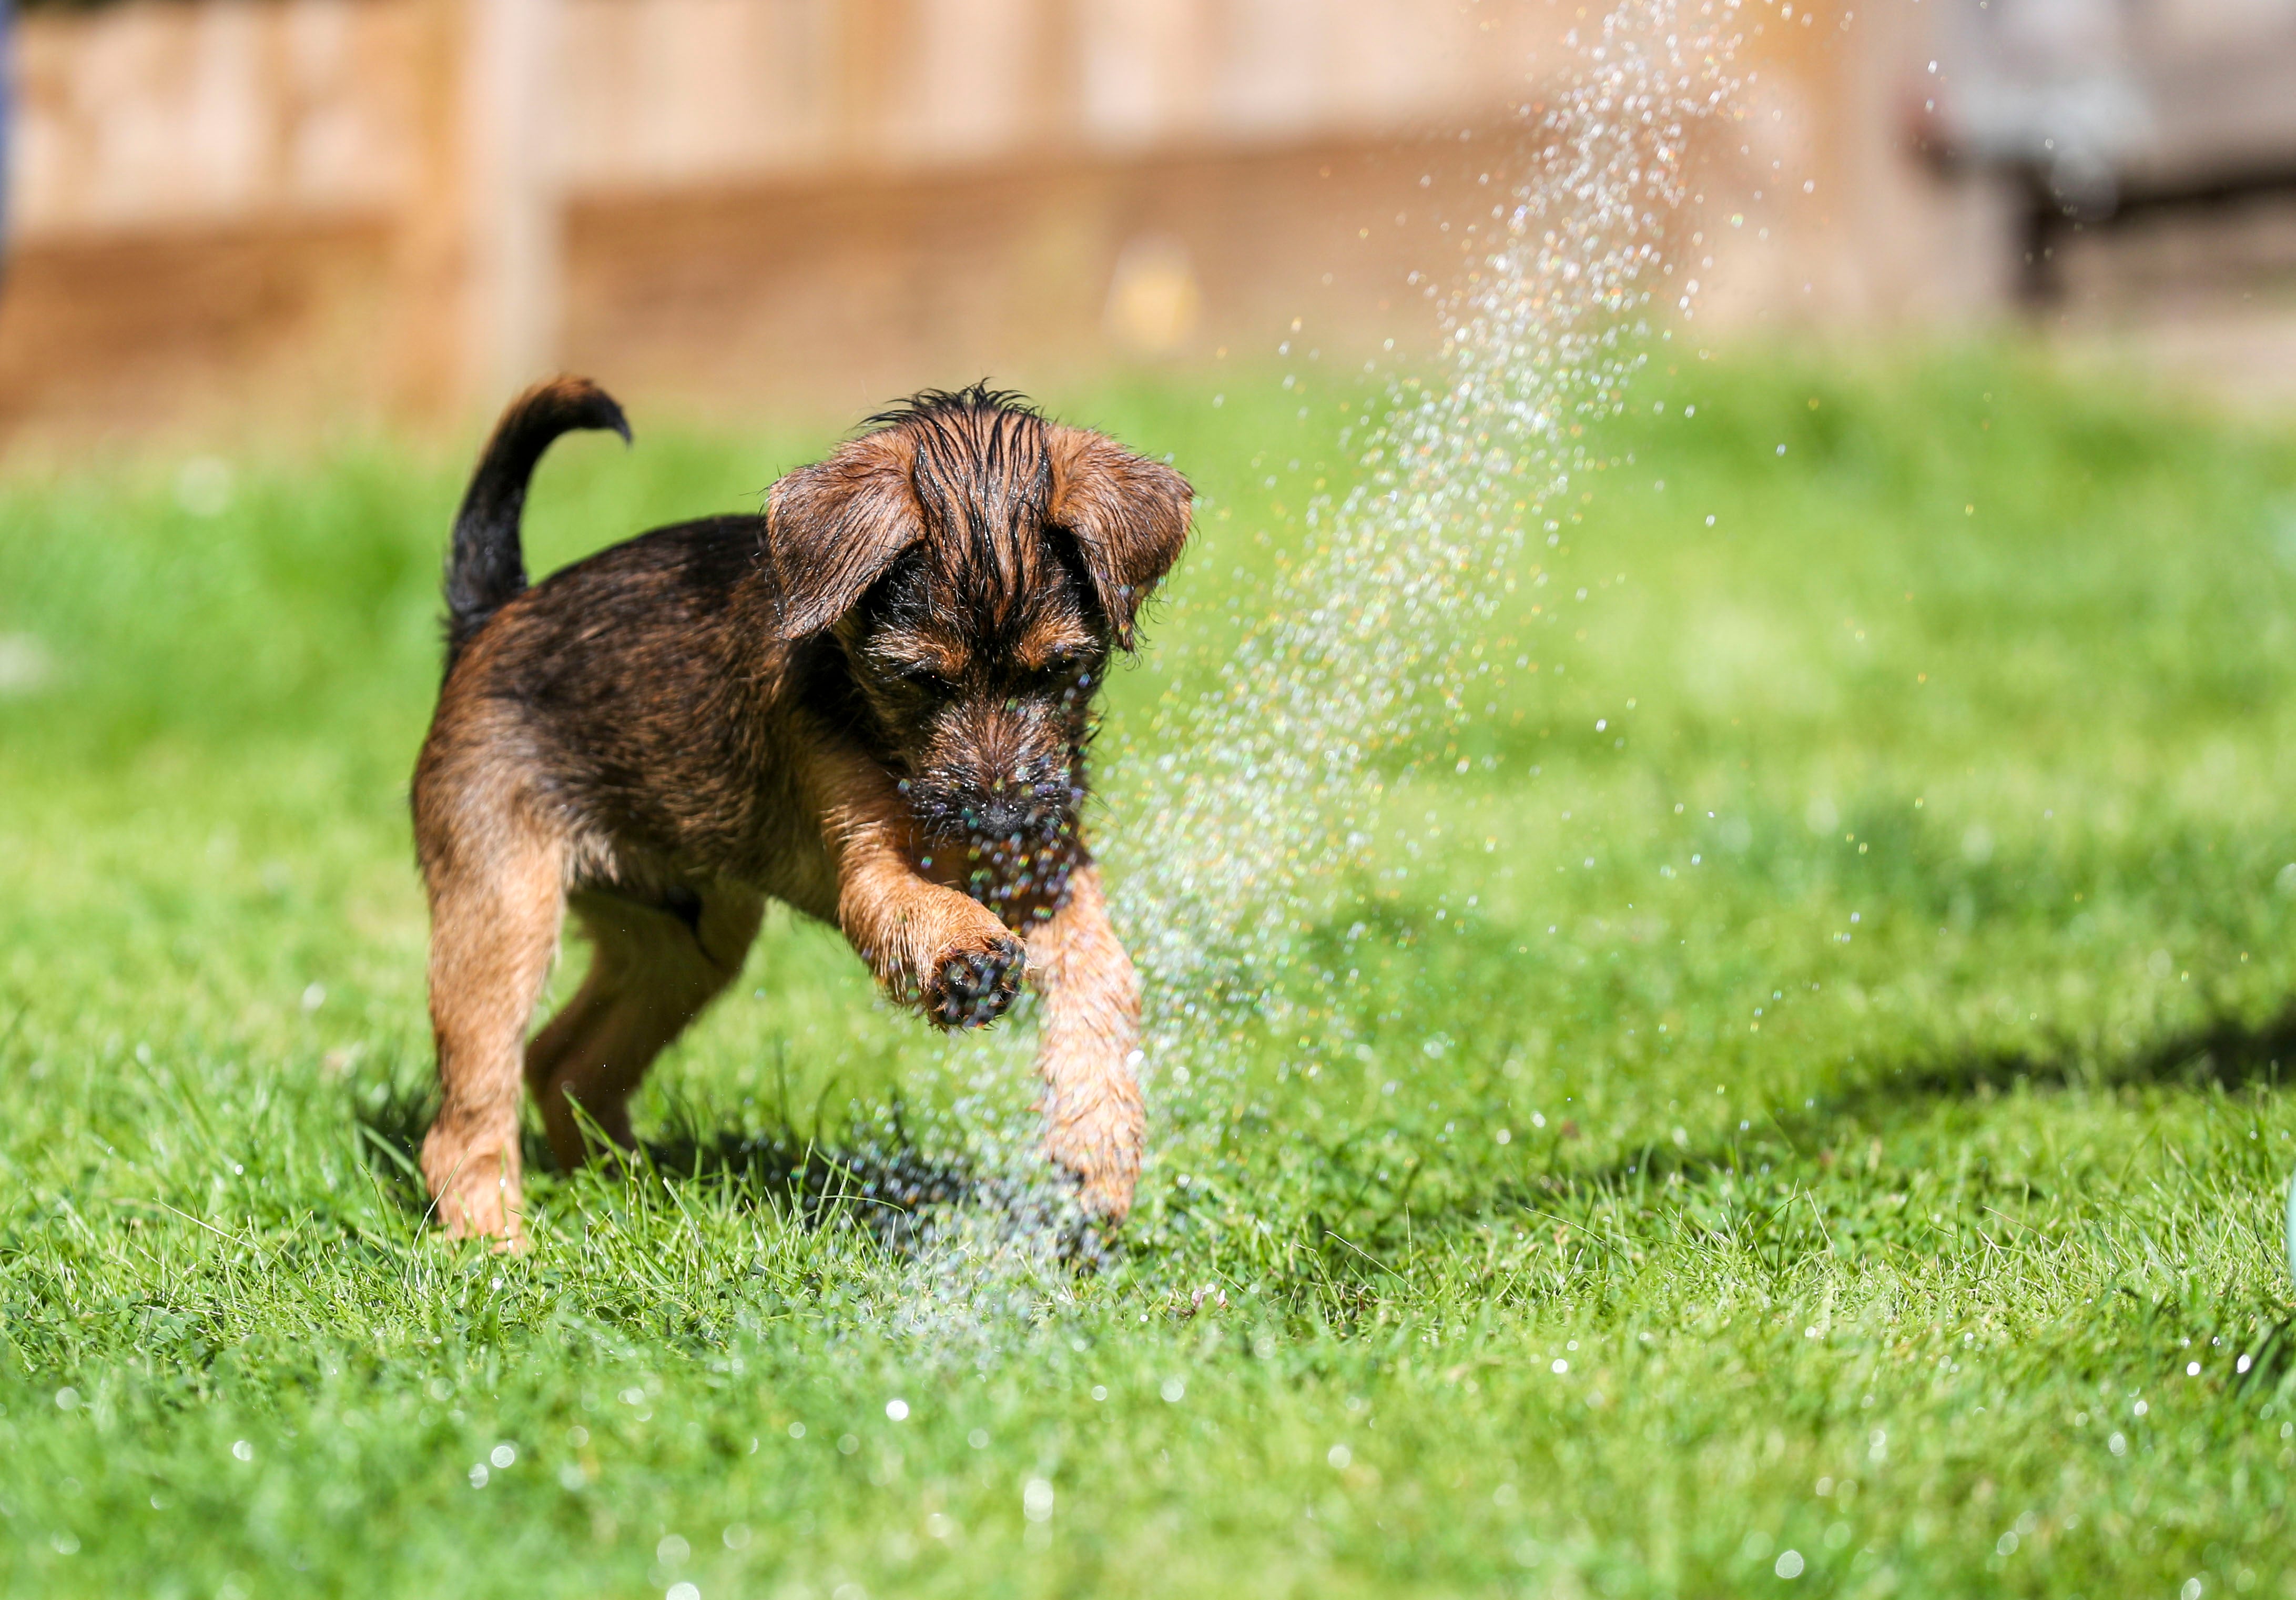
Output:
x=514 y=221
x=482 y=241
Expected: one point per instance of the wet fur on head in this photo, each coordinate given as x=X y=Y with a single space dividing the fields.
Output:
x=993 y=487
x=977 y=565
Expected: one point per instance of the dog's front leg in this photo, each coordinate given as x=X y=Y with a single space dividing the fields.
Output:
x=1087 y=1048
x=930 y=946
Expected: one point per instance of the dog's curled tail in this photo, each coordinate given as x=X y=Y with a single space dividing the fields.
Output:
x=487 y=566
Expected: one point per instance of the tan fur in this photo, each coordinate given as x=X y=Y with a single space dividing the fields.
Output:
x=496 y=879
x=903 y=924
x=1088 y=1041
x=650 y=975
x=1123 y=514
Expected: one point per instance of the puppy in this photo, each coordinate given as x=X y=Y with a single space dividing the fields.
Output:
x=872 y=703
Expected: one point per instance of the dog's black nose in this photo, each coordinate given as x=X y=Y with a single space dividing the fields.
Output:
x=1000 y=816
x=1024 y=803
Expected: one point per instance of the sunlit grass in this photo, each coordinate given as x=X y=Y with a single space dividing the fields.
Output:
x=1801 y=1133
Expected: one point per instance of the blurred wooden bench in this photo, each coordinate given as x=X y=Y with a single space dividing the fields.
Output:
x=2098 y=113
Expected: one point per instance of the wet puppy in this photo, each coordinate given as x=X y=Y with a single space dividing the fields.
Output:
x=872 y=704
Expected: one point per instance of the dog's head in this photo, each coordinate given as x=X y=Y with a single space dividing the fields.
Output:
x=978 y=566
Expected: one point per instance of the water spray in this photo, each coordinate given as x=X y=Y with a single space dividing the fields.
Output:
x=1252 y=830
x=1252 y=825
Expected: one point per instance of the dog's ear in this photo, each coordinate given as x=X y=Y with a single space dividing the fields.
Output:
x=832 y=529
x=1129 y=515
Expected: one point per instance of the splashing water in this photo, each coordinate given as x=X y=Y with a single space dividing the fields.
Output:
x=1253 y=824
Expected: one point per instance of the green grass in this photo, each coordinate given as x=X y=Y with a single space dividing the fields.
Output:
x=1831 y=1109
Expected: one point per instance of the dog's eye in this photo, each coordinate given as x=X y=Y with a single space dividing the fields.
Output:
x=923 y=679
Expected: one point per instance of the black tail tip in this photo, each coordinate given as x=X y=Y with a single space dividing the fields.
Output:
x=566 y=402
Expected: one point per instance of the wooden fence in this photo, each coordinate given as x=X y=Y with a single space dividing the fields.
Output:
x=298 y=209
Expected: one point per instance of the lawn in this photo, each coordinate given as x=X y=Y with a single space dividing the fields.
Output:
x=1789 y=1102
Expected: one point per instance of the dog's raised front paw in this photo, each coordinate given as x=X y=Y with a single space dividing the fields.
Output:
x=971 y=988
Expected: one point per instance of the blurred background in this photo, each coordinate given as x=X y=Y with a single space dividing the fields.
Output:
x=224 y=215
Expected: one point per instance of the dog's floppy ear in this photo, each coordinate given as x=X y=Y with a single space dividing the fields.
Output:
x=832 y=529
x=1129 y=515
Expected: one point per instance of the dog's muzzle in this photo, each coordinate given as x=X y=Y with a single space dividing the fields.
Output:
x=1013 y=816
x=1033 y=806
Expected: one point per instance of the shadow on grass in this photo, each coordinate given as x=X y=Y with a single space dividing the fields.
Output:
x=1363 y=1219
x=2226 y=1054
x=887 y=1186
x=883 y=1183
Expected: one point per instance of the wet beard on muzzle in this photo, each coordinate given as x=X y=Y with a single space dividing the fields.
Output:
x=1023 y=873
x=1023 y=878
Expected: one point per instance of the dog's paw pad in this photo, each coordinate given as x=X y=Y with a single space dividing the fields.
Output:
x=976 y=987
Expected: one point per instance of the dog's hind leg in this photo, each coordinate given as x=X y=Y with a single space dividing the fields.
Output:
x=1088 y=1048
x=494 y=910
x=653 y=970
